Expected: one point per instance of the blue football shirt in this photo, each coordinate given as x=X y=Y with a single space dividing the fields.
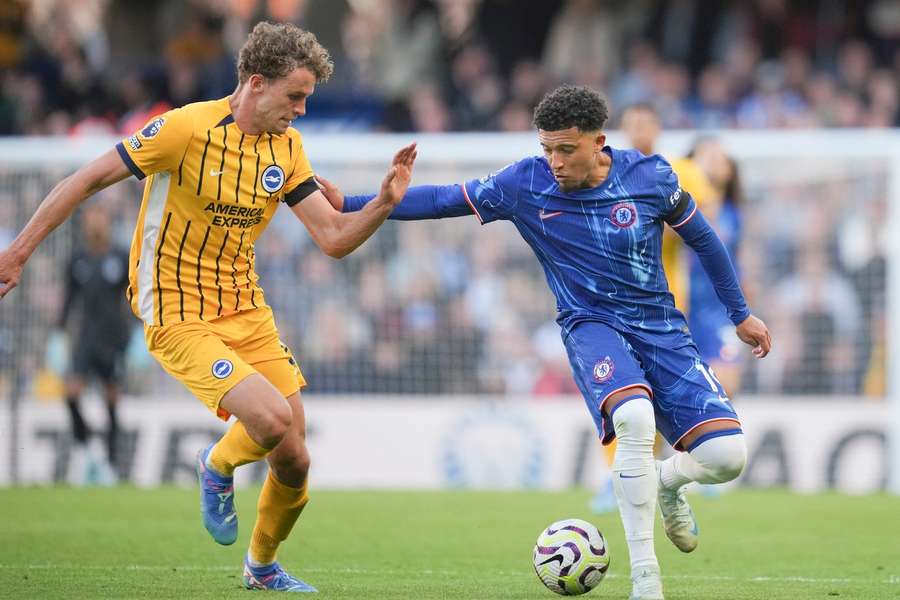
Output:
x=600 y=248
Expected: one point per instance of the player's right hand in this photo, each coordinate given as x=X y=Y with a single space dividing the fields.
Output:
x=754 y=332
x=10 y=271
x=397 y=179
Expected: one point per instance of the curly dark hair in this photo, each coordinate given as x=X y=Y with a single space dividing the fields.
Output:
x=571 y=106
x=275 y=49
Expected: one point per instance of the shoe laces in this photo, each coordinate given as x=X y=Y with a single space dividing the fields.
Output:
x=677 y=501
x=279 y=578
x=647 y=580
x=216 y=485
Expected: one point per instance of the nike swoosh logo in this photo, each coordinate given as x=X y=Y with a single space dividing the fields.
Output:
x=624 y=476
x=545 y=215
x=214 y=173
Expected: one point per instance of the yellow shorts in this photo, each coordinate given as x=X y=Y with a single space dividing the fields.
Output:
x=211 y=357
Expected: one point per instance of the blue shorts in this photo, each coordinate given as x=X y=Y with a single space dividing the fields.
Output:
x=684 y=391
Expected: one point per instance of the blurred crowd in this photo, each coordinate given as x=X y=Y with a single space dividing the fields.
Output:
x=452 y=307
x=444 y=307
x=75 y=67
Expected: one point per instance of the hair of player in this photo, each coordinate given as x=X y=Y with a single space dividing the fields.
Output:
x=641 y=107
x=644 y=107
x=275 y=49
x=733 y=191
x=571 y=106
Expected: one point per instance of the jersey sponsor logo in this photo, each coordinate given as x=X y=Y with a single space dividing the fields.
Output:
x=134 y=142
x=603 y=370
x=272 y=178
x=548 y=215
x=233 y=215
x=675 y=197
x=222 y=368
x=152 y=128
x=623 y=214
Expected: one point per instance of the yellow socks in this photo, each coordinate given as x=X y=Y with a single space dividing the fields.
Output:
x=236 y=448
x=277 y=511
x=609 y=451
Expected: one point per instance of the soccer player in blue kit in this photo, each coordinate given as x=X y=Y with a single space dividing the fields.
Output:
x=594 y=216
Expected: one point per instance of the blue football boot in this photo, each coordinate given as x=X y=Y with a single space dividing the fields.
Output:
x=273 y=577
x=216 y=501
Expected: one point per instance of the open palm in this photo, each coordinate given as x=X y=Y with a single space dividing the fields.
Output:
x=398 y=177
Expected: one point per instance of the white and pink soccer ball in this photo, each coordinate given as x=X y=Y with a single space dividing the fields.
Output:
x=571 y=557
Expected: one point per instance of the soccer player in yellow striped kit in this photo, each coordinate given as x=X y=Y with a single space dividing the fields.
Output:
x=216 y=172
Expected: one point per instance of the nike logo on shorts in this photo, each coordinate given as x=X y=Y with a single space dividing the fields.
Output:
x=214 y=173
x=545 y=215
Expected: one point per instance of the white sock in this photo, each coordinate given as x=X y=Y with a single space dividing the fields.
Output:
x=255 y=563
x=634 y=478
x=716 y=460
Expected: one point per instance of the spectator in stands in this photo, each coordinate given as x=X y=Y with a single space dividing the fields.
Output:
x=825 y=311
x=59 y=62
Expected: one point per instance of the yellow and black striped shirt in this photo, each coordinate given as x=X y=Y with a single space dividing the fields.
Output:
x=211 y=191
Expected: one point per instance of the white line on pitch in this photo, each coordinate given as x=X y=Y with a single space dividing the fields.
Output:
x=891 y=579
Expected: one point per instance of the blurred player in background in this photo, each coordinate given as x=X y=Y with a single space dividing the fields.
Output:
x=594 y=217
x=707 y=318
x=217 y=172
x=94 y=308
x=642 y=127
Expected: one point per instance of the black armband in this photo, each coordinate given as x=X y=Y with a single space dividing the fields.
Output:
x=680 y=200
x=301 y=191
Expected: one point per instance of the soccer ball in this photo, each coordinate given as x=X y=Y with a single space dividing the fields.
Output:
x=571 y=557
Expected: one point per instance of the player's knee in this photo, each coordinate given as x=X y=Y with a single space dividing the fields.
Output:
x=274 y=424
x=722 y=457
x=634 y=421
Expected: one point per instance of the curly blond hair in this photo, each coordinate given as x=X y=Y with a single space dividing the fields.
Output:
x=275 y=49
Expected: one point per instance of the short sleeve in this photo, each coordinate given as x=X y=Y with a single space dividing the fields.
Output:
x=300 y=170
x=494 y=196
x=159 y=146
x=675 y=204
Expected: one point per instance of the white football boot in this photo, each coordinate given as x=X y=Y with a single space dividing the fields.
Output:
x=678 y=518
x=646 y=584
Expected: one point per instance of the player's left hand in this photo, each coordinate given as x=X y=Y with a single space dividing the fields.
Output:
x=396 y=182
x=754 y=332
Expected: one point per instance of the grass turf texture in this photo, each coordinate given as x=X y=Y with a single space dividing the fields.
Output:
x=130 y=543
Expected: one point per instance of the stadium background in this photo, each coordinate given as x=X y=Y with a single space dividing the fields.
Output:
x=437 y=337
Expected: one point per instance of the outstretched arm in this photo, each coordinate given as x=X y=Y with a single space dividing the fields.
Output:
x=56 y=208
x=339 y=234
x=699 y=235
x=420 y=202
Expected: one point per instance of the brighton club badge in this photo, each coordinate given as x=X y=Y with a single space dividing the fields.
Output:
x=603 y=370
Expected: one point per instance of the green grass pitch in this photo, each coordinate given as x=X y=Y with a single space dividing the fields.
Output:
x=131 y=543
